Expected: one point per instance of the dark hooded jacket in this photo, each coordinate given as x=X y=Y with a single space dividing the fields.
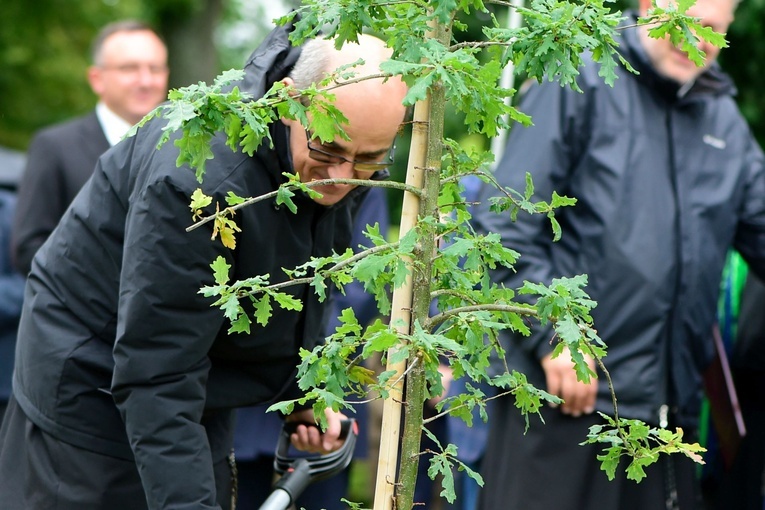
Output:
x=667 y=180
x=113 y=311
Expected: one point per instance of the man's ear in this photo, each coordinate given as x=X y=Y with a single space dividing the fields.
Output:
x=289 y=82
x=95 y=80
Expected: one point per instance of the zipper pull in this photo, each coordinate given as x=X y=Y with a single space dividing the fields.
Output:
x=664 y=416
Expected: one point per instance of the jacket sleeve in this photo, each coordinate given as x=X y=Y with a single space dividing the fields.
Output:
x=549 y=151
x=40 y=200
x=750 y=231
x=165 y=330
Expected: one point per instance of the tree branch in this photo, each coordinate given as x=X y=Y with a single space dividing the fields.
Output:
x=312 y=184
x=338 y=266
x=436 y=320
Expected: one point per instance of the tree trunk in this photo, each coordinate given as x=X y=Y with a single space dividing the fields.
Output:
x=401 y=317
x=424 y=172
x=192 y=56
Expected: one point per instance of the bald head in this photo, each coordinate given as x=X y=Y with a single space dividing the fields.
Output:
x=370 y=49
x=319 y=58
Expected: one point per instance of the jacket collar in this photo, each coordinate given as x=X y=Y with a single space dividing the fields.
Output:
x=270 y=62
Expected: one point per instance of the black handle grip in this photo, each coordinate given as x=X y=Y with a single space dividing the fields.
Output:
x=321 y=465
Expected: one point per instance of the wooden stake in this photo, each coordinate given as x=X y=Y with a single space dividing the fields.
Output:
x=401 y=318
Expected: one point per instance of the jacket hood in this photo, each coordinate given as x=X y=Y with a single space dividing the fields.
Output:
x=270 y=62
x=712 y=81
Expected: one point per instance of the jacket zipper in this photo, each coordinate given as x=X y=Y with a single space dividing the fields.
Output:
x=670 y=483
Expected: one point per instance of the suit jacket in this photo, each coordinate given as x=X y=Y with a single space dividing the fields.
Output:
x=59 y=161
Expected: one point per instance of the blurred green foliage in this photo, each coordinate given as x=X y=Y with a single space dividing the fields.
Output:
x=45 y=46
x=44 y=54
x=744 y=60
x=454 y=125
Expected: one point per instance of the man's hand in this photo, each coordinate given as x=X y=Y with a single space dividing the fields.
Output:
x=578 y=397
x=309 y=438
x=446 y=380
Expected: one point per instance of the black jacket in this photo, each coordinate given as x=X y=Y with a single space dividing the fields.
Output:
x=113 y=313
x=59 y=161
x=666 y=182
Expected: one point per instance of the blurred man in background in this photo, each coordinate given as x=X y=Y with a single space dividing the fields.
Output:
x=129 y=76
x=667 y=177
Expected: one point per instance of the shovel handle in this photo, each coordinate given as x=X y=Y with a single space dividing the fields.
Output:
x=298 y=472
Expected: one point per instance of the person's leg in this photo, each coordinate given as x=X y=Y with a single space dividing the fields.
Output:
x=468 y=489
x=741 y=484
x=254 y=482
x=3 y=405
x=547 y=468
x=426 y=490
x=471 y=445
x=219 y=426
x=39 y=471
x=325 y=494
x=670 y=483
x=541 y=469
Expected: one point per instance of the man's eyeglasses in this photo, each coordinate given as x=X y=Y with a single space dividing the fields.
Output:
x=322 y=155
x=136 y=68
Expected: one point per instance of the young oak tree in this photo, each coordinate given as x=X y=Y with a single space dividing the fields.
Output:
x=438 y=255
